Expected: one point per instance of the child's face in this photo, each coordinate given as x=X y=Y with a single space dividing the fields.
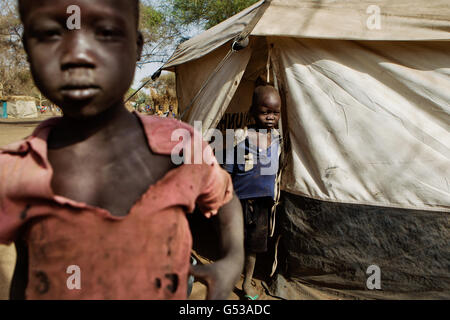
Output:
x=267 y=112
x=84 y=71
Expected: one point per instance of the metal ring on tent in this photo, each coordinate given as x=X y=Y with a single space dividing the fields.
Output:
x=240 y=44
x=156 y=74
x=153 y=78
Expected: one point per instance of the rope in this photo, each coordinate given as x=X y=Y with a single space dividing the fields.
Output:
x=269 y=56
x=135 y=93
x=152 y=78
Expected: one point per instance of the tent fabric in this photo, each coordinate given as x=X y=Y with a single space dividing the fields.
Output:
x=407 y=20
x=330 y=246
x=372 y=121
x=357 y=19
x=21 y=108
x=213 y=38
x=227 y=78
x=366 y=126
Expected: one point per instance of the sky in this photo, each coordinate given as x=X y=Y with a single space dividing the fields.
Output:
x=148 y=69
x=144 y=71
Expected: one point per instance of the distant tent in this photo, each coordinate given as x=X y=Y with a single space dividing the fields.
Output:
x=3 y=108
x=21 y=107
x=366 y=119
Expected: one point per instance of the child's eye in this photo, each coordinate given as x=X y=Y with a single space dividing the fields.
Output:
x=108 y=34
x=49 y=35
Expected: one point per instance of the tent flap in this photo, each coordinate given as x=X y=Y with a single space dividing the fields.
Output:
x=210 y=103
x=372 y=122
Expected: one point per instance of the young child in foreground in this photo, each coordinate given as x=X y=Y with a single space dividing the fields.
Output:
x=254 y=179
x=96 y=190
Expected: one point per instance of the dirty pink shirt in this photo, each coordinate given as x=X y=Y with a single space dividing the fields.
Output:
x=144 y=255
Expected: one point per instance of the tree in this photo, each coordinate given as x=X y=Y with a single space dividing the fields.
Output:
x=160 y=31
x=207 y=13
x=166 y=82
x=177 y=18
x=14 y=72
x=162 y=90
x=168 y=23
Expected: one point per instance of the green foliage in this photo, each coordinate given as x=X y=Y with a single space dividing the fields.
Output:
x=207 y=12
x=165 y=84
x=162 y=90
x=140 y=98
x=159 y=30
x=151 y=21
x=143 y=98
x=129 y=93
x=15 y=76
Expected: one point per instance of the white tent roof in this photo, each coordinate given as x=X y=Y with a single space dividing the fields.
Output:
x=327 y=19
x=352 y=19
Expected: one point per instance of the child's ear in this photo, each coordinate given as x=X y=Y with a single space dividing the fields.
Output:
x=140 y=46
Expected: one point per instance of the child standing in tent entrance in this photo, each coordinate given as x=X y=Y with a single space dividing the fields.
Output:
x=92 y=200
x=254 y=177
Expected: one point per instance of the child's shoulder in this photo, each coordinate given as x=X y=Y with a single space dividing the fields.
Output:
x=13 y=166
x=155 y=122
x=17 y=159
x=165 y=133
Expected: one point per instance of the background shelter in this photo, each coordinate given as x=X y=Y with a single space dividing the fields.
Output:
x=365 y=120
x=21 y=107
x=3 y=108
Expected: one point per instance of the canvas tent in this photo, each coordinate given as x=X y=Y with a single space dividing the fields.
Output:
x=21 y=107
x=365 y=119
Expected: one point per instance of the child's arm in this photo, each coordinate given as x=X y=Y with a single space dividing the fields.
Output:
x=222 y=275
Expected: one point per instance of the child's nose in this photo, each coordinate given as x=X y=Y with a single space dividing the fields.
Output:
x=78 y=51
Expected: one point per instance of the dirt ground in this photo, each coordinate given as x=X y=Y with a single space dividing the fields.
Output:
x=12 y=130
x=199 y=290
